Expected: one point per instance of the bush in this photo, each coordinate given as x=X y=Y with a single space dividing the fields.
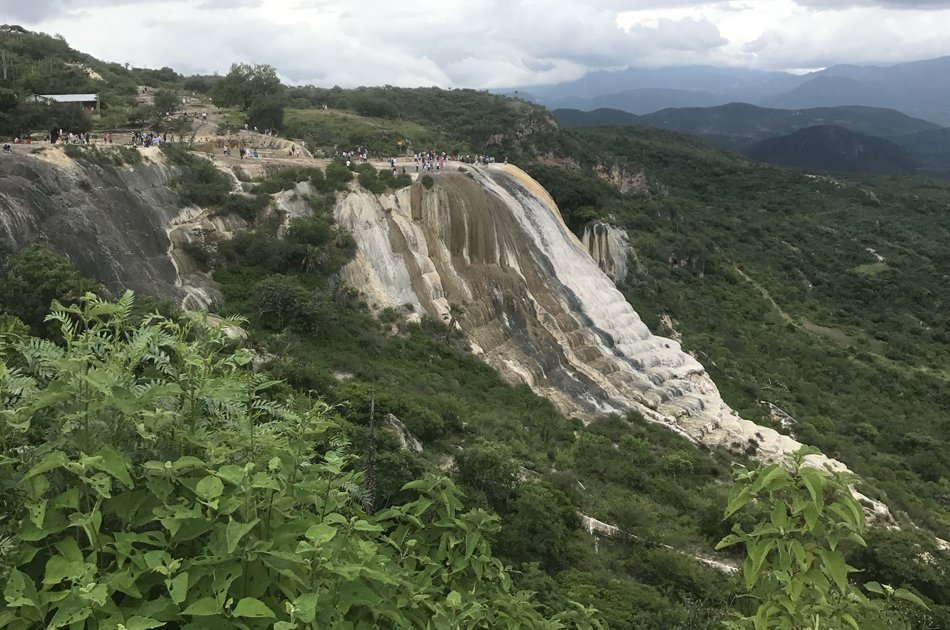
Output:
x=336 y=177
x=198 y=181
x=199 y=501
x=245 y=206
x=427 y=181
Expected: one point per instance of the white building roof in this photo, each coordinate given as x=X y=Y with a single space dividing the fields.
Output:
x=69 y=98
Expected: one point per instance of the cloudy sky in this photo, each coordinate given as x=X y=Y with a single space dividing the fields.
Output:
x=487 y=43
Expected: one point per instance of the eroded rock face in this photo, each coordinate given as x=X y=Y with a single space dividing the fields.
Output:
x=609 y=247
x=121 y=226
x=110 y=222
x=536 y=305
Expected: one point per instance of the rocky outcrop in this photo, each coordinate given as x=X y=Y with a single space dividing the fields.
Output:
x=121 y=225
x=535 y=305
x=110 y=221
x=609 y=246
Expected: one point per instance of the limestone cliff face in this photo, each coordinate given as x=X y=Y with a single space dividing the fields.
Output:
x=609 y=247
x=121 y=226
x=534 y=303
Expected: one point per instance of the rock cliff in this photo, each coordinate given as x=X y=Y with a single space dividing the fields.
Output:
x=111 y=222
x=609 y=246
x=121 y=225
x=487 y=249
x=484 y=248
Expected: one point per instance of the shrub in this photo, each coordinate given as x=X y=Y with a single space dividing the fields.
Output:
x=245 y=206
x=336 y=177
x=427 y=181
x=176 y=492
x=198 y=181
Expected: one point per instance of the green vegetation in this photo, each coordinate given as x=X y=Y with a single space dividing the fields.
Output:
x=761 y=271
x=103 y=156
x=795 y=564
x=158 y=481
x=256 y=90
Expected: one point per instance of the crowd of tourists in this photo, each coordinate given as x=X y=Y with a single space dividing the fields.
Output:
x=68 y=137
x=148 y=139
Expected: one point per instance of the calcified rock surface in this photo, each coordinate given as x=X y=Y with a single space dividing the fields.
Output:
x=119 y=225
x=491 y=243
x=609 y=247
x=110 y=222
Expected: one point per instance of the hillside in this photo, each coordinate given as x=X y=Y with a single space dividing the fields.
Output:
x=403 y=327
x=638 y=100
x=739 y=125
x=834 y=149
x=770 y=135
x=603 y=117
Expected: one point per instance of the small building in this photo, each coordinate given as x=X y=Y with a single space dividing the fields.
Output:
x=90 y=102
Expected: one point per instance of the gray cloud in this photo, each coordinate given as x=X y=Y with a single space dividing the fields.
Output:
x=482 y=43
x=927 y=5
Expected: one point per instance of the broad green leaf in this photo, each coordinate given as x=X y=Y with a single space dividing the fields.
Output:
x=454 y=600
x=321 y=533
x=779 y=517
x=110 y=461
x=253 y=608
x=903 y=593
x=59 y=569
x=874 y=587
x=20 y=591
x=814 y=481
x=204 y=607
x=178 y=587
x=142 y=623
x=232 y=474
x=736 y=503
x=235 y=532
x=209 y=488
x=836 y=567
x=306 y=606
x=56 y=459
x=769 y=475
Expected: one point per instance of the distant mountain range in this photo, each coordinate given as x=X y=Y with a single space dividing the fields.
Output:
x=920 y=89
x=853 y=139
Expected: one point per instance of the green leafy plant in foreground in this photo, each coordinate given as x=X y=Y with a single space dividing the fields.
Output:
x=795 y=566
x=151 y=481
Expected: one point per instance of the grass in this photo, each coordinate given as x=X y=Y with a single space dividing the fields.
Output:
x=871 y=269
x=327 y=130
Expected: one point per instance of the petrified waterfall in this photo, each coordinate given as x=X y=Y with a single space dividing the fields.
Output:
x=490 y=242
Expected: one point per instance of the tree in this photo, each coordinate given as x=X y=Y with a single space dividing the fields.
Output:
x=166 y=102
x=795 y=565
x=244 y=83
x=32 y=278
x=266 y=112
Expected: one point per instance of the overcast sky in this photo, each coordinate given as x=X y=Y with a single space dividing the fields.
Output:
x=487 y=43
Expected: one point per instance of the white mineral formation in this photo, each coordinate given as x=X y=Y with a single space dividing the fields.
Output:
x=533 y=302
x=609 y=247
